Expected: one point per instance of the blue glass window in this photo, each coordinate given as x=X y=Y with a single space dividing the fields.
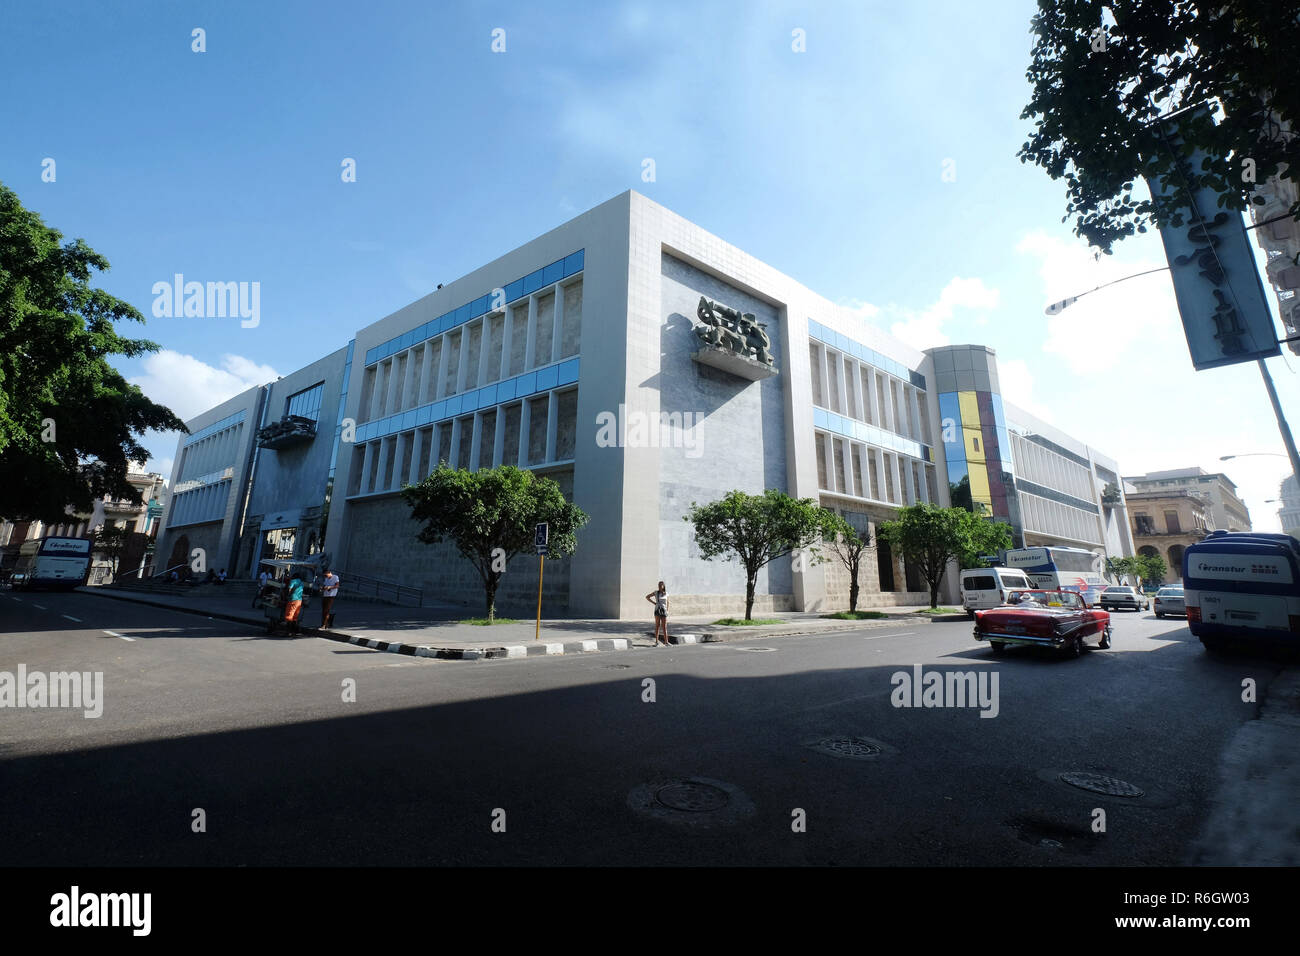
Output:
x=553 y=273
x=574 y=263
x=533 y=281
x=306 y=403
x=568 y=372
x=514 y=290
x=524 y=384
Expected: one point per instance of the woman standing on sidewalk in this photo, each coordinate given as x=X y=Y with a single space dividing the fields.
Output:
x=659 y=599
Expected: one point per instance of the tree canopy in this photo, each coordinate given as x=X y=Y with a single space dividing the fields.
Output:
x=932 y=537
x=69 y=421
x=1099 y=87
x=755 y=530
x=490 y=516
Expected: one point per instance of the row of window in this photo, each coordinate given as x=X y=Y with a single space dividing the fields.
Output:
x=227 y=422
x=306 y=403
x=845 y=386
x=861 y=471
x=530 y=383
x=540 y=430
x=1037 y=464
x=547 y=275
x=535 y=333
x=848 y=346
x=1058 y=520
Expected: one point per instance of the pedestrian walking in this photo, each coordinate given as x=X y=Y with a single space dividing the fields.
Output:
x=293 y=607
x=262 y=580
x=328 y=592
x=659 y=598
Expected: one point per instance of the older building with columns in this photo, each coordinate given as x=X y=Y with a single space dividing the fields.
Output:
x=644 y=364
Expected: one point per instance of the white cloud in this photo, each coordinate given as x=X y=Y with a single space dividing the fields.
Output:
x=925 y=329
x=1017 y=383
x=1104 y=325
x=189 y=386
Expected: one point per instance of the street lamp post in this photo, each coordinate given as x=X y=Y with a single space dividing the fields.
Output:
x=1058 y=307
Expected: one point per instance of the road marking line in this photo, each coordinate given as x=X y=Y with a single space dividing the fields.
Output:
x=122 y=636
x=71 y=618
x=41 y=606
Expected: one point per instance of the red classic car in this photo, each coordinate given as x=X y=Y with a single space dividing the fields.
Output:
x=1058 y=619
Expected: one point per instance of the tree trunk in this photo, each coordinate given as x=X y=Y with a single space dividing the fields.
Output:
x=490 y=590
x=934 y=595
x=853 y=592
x=749 y=597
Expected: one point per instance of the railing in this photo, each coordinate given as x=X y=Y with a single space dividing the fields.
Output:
x=364 y=584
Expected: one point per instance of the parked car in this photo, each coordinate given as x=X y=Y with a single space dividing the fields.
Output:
x=1170 y=601
x=1124 y=596
x=983 y=588
x=18 y=579
x=1057 y=619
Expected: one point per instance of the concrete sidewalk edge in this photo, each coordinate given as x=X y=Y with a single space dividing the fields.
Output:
x=511 y=651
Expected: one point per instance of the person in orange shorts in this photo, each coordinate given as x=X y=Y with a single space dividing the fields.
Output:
x=293 y=608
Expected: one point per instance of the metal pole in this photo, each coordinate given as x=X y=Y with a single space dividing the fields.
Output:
x=541 y=566
x=1281 y=421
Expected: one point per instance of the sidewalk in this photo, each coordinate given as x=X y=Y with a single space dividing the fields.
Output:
x=438 y=631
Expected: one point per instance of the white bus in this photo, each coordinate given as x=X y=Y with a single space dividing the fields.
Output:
x=53 y=562
x=1243 y=585
x=1060 y=569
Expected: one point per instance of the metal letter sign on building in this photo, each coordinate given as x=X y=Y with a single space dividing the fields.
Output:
x=1220 y=296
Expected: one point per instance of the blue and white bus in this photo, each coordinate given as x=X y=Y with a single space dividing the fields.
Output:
x=54 y=562
x=1241 y=585
x=1059 y=569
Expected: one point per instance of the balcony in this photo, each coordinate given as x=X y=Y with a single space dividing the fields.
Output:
x=287 y=432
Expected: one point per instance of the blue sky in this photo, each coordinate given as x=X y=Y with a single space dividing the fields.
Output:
x=827 y=164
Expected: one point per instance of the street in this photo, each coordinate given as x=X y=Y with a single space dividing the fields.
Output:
x=568 y=761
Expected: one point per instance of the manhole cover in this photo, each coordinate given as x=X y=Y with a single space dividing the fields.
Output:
x=692 y=796
x=1099 y=783
x=755 y=650
x=855 y=748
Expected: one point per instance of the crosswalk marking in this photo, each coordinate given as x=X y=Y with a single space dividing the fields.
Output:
x=122 y=636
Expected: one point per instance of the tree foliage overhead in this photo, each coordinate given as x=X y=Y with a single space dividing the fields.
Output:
x=755 y=530
x=68 y=420
x=490 y=516
x=1095 y=110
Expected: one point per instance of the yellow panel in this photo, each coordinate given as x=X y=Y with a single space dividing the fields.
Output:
x=973 y=439
x=979 y=485
x=970 y=410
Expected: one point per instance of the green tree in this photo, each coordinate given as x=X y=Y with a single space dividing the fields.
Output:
x=933 y=537
x=984 y=536
x=68 y=420
x=111 y=541
x=1095 y=110
x=490 y=515
x=848 y=544
x=1152 y=569
x=755 y=530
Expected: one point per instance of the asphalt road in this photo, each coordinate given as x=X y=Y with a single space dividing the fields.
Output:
x=574 y=764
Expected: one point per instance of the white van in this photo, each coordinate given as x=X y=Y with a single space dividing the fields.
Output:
x=983 y=588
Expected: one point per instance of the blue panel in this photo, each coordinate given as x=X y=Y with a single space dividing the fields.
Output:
x=533 y=281
x=514 y=290
x=553 y=273
x=408 y=419
x=452 y=406
x=370 y=356
x=487 y=396
x=462 y=314
x=568 y=372
x=424 y=415
x=525 y=384
x=479 y=306
x=506 y=390
x=819 y=417
x=546 y=378
x=575 y=262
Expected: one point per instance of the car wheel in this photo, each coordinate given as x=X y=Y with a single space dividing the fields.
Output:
x=1159 y=616
x=1075 y=647
x=970 y=613
x=1105 y=638
x=997 y=647
x=1214 y=645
